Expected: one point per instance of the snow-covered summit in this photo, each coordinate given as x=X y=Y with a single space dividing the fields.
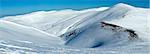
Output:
x=123 y=5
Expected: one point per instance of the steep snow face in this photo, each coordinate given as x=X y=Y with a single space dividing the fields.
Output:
x=95 y=17
x=137 y=20
x=97 y=36
x=94 y=35
x=68 y=25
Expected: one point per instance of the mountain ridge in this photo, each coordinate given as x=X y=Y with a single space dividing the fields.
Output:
x=118 y=27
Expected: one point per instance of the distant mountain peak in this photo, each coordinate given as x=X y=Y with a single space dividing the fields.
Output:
x=122 y=5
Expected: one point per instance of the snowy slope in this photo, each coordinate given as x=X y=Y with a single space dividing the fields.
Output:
x=41 y=19
x=91 y=27
x=14 y=32
x=78 y=32
x=18 y=37
x=137 y=20
x=52 y=19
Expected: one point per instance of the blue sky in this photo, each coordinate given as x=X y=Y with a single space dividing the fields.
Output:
x=13 y=7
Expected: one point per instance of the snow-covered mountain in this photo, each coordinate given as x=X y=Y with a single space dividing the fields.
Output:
x=118 y=29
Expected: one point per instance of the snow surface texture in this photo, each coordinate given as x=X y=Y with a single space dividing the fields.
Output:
x=120 y=29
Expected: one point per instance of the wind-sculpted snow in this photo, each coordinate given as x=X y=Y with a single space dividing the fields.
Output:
x=120 y=29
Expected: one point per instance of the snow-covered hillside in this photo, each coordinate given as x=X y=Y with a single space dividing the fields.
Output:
x=118 y=29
